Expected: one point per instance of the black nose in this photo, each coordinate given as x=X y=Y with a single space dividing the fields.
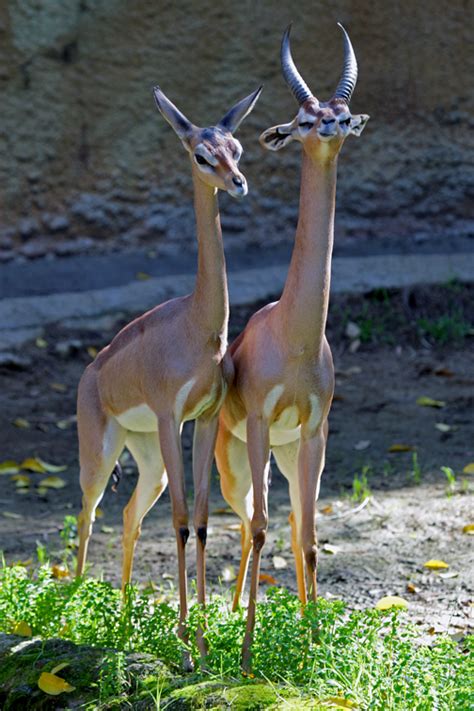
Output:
x=237 y=181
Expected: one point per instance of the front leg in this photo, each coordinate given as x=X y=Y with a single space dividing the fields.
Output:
x=170 y=443
x=205 y=432
x=258 y=443
x=310 y=466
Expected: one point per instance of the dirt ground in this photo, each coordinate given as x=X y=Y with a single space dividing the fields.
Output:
x=368 y=548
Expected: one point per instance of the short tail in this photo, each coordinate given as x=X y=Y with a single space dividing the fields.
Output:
x=116 y=476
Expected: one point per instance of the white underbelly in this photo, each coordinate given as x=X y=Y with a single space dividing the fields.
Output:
x=138 y=419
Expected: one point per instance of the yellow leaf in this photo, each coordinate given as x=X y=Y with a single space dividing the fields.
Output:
x=222 y=511
x=142 y=276
x=330 y=549
x=386 y=603
x=22 y=481
x=60 y=571
x=23 y=629
x=41 y=343
x=21 y=423
x=9 y=467
x=469 y=529
x=435 y=564
x=53 y=685
x=99 y=513
x=233 y=527
x=328 y=509
x=411 y=588
x=267 y=579
x=33 y=465
x=469 y=468
x=52 y=482
x=92 y=351
x=51 y=468
x=429 y=402
x=58 y=387
x=228 y=574
x=401 y=448
x=443 y=427
x=11 y=514
x=42 y=491
x=63 y=424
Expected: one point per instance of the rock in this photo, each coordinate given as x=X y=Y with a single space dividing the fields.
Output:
x=67 y=348
x=36 y=248
x=14 y=361
x=6 y=255
x=56 y=223
x=156 y=224
x=28 y=227
x=352 y=330
x=73 y=246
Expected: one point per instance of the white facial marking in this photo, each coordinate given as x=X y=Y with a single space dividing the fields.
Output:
x=315 y=413
x=271 y=400
x=181 y=397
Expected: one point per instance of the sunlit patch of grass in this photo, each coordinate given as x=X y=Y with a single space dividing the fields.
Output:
x=373 y=659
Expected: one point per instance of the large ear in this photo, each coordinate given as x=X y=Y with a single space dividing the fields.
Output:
x=234 y=117
x=178 y=121
x=358 y=122
x=277 y=137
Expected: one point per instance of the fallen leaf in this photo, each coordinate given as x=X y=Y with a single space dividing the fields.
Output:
x=222 y=511
x=107 y=529
x=386 y=603
x=142 y=276
x=23 y=629
x=42 y=490
x=53 y=685
x=362 y=444
x=11 y=514
x=41 y=342
x=443 y=427
x=167 y=576
x=331 y=550
x=338 y=398
x=279 y=563
x=22 y=481
x=328 y=509
x=435 y=564
x=21 y=423
x=233 y=527
x=60 y=571
x=267 y=579
x=401 y=448
x=429 y=402
x=52 y=482
x=64 y=424
x=469 y=529
x=58 y=387
x=448 y=575
x=99 y=513
x=51 y=468
x=469 y=468
x=411 y=588
x=431 y=630
x=443 y=372
x=33 y=465
x=92 y=351
x=9 y=467
x=228 y=574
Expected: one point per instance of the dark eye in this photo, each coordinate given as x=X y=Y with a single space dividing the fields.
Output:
x=346 y=121
x=306 y=125
x=202 y=161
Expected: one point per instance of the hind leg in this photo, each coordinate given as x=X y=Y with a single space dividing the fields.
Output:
x=152 y=481
x=286 y=457
x=236 y=486
x=101 y=442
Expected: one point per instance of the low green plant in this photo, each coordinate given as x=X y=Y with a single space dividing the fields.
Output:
x=360 y=484
x=445 y=329
x=372 y=659
x=451 y=478
x=416 y=473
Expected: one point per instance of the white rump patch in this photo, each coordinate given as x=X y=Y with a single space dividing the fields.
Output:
x=271 y=400
x=181 y=398
x=138 y=419
x=316 y=412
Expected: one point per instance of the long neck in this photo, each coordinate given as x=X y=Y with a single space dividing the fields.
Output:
x=210 y=297
x=304 y=302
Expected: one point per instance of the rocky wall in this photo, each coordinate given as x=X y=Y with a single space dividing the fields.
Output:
x=86 y=161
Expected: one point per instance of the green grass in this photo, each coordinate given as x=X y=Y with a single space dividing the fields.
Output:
x=374 y=659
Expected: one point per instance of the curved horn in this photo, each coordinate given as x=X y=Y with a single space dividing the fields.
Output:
x=293 y=78
x=348 y=78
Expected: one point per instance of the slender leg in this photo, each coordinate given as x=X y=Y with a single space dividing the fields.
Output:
x=236 y=486
x=152 y=481
x=310 y=467
x=170 y=443
x=100 y=447
x=259 y=454
x=287 y=459
x=205 y=431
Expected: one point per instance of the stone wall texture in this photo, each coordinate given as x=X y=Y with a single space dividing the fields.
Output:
x=86 y=159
